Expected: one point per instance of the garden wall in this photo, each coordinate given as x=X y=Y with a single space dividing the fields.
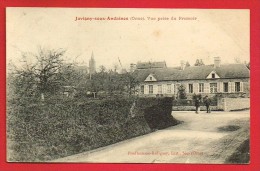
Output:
x=223 y=104
x=229 y=104
x=192 y=108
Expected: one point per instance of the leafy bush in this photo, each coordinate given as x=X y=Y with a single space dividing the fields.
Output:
x=182 y=92
x=156 y=111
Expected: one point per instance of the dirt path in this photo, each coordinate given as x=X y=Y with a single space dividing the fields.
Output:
x=197 y=140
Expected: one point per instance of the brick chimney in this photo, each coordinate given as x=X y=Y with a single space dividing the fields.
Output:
x=183 y=64
x=217 y=62
x=132 y=67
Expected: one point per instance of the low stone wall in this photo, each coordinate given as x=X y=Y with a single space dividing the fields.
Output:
x=229 y=104
x=223 y=104
x=192 y=108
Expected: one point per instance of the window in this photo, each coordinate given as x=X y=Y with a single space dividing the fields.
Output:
x=201 y=87
x=213 y=87
x=237 y=86
x=151 y=78
x=150 y=89
x=213 y=75
x=169 y=88
x=142 y=89
x=190 y=88
x=225 y=87
x=159 y=89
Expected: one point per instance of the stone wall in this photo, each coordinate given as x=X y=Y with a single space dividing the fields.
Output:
x=229 y=104
x=224 y=104
x=192 y=108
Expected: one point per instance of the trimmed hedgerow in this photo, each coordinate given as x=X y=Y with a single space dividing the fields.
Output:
x=52 y=129
x=156 y=111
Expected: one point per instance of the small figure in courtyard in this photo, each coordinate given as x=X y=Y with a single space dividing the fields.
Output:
x=197 y=104
x=207 y=103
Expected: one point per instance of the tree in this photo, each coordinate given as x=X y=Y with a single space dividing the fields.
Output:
x=116 y=67
x=195 y=96
x=41 y=72
x=102 y=69
x=112 y=83
x=130 y=82
x=237 y=60
x=248 y=65
x=187 y=64
x=181 y=92
x=199 y=62
x=72 y=75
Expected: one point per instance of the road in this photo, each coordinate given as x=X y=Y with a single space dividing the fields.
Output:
x=197 y=140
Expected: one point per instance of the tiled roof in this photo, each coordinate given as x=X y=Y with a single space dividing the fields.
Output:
x=148 y=65
x=194 y=72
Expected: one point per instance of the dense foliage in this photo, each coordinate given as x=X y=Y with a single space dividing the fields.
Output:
x=43 y=123
x=44 y=131
x=60 y=127
x=182 y=92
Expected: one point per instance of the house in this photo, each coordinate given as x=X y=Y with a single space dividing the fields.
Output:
x=149 y=65
x=227 y=79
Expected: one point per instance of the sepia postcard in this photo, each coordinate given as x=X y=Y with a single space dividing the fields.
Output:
x=128 y=85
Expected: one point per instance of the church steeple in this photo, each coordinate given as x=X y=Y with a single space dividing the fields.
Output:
x=92 y=64
x=92 y=55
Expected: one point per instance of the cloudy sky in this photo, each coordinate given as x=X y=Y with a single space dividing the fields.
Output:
x=223 y=33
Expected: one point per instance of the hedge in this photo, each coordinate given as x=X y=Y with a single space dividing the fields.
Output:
x=58 y=128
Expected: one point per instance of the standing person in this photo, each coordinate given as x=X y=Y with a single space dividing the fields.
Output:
x=197 y=104
x=207 y=103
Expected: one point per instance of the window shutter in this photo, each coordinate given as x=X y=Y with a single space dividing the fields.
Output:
x=206 y=87
x=196 y=88
x=163 y=89
x=229 y=87
x=145 y=89
x=155 y=89
x=232 y=86
x=241 y=87
x=221 y=87
x=173 y=88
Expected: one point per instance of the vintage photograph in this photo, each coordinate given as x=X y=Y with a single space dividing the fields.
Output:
x=128 y=85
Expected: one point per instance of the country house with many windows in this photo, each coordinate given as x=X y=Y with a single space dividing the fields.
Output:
x=226 y=79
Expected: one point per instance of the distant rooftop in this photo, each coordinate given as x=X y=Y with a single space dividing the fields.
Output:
x=149 y=65
x=194 y=72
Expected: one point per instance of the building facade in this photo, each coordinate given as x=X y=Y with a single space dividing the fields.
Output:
x=229 y=80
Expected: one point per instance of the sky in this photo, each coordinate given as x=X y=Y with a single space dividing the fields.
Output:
x=207 y=34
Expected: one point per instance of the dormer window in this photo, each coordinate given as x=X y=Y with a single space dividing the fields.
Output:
x=150 y=77
x=213 y=75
